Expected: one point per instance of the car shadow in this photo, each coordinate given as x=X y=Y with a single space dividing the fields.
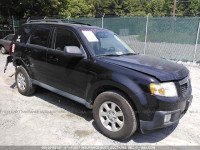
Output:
x=153 y=136
x=82 y=111
x=62 y=102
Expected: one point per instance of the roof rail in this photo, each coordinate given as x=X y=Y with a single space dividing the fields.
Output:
x=45 y=20
x=56 y=21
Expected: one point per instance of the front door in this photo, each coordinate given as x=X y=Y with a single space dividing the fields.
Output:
x=66 y=73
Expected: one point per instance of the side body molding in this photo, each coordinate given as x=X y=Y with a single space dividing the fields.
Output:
x=65 y=94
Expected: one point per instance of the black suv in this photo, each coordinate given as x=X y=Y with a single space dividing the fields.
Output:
x=94 y=67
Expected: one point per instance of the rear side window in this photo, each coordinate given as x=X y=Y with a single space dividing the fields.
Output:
x=23 y=34
x=40 y=36
x=64 y=37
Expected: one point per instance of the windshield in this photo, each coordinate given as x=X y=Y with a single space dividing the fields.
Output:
x=105 y=43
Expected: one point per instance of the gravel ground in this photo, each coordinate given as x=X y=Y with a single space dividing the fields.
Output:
x=49 y=119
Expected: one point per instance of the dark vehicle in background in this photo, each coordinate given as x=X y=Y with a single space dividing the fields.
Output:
x=93 y=66
x=5 y=42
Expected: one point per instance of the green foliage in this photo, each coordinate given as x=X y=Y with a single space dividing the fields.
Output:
x=76 y=8
x=157 y=8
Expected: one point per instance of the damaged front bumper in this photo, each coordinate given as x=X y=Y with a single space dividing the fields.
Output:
x=159 y=117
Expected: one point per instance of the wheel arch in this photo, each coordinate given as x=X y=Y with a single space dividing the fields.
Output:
x=19 y=62
x=119 y=83
x=118 y=88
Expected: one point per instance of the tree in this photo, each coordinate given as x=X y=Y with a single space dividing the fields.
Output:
x=192 y=7
x=40 y=8
x=76 y=8
x=119 y=7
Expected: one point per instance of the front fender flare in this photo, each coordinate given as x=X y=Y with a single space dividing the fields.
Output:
x=122 y=83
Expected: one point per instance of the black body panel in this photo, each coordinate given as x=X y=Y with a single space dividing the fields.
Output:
x=161 y=69
x=86 y=77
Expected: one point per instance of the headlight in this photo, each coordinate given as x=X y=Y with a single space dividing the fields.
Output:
x=167 y=89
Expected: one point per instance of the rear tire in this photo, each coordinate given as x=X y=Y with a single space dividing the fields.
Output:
x=3 y=50
x=23 y=80
x=114 y=115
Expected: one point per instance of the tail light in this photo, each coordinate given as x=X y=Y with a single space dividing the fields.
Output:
x=11 y=48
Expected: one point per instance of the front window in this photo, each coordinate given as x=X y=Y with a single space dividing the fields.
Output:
x=106 y=43
x=64 y=38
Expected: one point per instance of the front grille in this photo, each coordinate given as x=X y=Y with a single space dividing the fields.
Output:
x=184 y=86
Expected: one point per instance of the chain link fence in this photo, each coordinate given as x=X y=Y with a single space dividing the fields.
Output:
x=165 y=37
x=5 y=30
x=172 y=38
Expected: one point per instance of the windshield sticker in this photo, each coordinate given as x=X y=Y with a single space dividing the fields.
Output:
x=90 y=36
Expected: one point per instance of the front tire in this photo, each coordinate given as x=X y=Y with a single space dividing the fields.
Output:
x=114 y=115
x=23 y=80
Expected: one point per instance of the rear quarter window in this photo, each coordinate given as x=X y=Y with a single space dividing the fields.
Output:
x=22 y=34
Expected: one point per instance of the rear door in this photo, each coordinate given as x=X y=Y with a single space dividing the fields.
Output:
x=67 y=73
x=36 y=50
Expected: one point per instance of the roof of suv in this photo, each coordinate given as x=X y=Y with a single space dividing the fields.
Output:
x=75 y=25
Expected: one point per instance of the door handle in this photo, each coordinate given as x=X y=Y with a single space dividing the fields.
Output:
x=27 y=50
x=53 y=59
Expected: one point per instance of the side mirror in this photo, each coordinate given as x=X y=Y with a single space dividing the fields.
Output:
x=73 y=51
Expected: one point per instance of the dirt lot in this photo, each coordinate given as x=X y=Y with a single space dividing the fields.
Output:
x=49 y=119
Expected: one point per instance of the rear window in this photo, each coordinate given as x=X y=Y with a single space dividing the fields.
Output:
x=40 y=36
x=10 y=37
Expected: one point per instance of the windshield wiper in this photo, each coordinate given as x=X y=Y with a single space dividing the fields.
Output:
x=119 y=55
x=129 y=54
x=109 y=55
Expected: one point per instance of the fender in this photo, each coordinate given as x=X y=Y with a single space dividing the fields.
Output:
x=120 y=82
x=19 y=60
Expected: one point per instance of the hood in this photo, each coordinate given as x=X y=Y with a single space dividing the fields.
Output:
x=161 y=69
